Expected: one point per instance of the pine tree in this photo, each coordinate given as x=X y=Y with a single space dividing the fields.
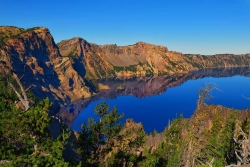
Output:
x=96 y=139
x=25 y=139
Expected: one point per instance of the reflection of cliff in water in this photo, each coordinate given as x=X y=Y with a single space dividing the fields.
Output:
x=145 y=86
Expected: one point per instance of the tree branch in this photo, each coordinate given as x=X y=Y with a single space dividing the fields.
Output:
x=25 y=104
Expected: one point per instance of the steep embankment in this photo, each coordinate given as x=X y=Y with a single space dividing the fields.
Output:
x=35 y=57
x=102 y=61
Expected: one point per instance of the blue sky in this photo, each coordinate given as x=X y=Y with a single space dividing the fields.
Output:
x=187 y=26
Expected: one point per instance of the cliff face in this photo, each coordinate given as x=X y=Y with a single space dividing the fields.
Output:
x=111 y=60
x=221 y=60
x=86 y=58
x=61 y=72
x=36 y=59
x=102 y=61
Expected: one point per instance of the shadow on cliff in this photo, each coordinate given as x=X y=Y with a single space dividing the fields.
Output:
x=49 y=78
x=78 y=66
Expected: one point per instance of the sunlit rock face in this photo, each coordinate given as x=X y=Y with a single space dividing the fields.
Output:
x=37 y=60
x=105 y=61
x=62 y=71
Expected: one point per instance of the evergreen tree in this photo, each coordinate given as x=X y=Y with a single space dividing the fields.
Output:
x=24 y=136
x=96 y=139
x=108 y=142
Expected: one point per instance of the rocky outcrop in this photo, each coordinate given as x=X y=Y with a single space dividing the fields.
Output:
x=111 y=60
x=62 y=72
x=104 y=61
x=35 y=57
x=86 y=58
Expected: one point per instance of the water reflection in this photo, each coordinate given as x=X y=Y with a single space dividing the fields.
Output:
x=144 y=87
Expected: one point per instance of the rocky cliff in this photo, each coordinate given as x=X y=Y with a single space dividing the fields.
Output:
x=102 y=61
x=62 y=71
x=35 y=57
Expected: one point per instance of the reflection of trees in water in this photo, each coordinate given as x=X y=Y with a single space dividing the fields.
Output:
x=145 y=86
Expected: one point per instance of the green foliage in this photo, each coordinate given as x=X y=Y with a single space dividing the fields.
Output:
x=108 y=142
x=173 y=63
x=25 y=139
x=168 y=152
x=118 y=68
x=11 y=32
x=30 y=29
x=89 y=75
x=131 y=140
x=214 y=147
x=73 y=53
x=173 y=145
x=155 y=132
x=125 y=68
x=101 y=110
x=169 y=68
x=150 y=70
x=24 y=136
x=152 y=159
x=220 y=145
x=96 y=139
x=92 y=84
x=140 y=64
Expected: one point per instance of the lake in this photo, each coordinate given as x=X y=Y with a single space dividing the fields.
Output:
x=154 y=100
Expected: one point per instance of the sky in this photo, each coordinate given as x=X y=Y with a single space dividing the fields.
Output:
x=187 y=26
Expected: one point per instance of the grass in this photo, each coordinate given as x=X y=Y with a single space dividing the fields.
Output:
x=11 y=32
x=73 y=53
x=128 y=68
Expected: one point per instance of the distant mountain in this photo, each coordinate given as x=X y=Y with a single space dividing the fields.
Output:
x=63 y=71
x=102 y=61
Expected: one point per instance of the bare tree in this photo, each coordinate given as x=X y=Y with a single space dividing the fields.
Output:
x=205 y=93
x=242 y=145
x=7 y=71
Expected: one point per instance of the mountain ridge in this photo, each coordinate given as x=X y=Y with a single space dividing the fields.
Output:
x=105 y=61
x=63 y=71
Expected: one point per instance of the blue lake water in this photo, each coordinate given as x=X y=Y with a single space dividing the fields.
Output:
x=147 y=101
